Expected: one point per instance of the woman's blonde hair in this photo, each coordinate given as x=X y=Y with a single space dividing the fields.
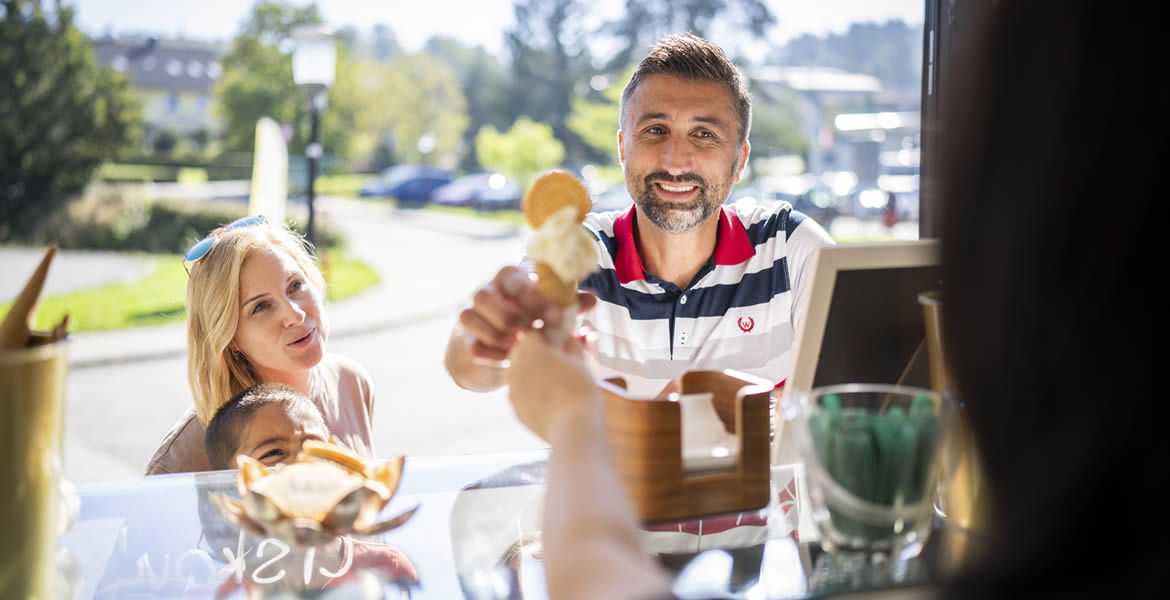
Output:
x=214 y=372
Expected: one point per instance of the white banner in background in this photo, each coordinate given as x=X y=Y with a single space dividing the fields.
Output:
x=269 y=193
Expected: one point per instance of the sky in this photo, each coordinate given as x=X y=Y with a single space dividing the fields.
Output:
x=475 y=22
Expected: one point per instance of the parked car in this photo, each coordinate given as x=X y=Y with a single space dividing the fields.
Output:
x=410 y=184
x=484 y=191
x=416 y=191
x=379 y=185
x=460 y=192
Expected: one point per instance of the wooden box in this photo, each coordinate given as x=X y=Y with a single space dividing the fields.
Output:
x=645 y=438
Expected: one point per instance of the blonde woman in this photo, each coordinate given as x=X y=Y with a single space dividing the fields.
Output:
x=255 y=315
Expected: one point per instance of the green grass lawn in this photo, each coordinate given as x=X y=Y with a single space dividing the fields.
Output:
x=346 y=185
x=159 y=297
x=136 y=172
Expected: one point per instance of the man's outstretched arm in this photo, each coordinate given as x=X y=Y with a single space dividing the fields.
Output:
x=487 y=329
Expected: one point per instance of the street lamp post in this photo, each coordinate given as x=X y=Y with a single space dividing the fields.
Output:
x=314 y=63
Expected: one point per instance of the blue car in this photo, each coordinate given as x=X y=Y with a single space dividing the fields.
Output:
x=484 y=191
x=411 y=185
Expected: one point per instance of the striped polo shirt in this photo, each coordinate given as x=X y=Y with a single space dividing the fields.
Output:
x=739 y=311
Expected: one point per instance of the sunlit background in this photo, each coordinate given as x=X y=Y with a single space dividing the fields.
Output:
x=456 y=84
x=129 y=131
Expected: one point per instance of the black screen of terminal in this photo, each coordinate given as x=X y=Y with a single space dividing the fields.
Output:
x=875 y=328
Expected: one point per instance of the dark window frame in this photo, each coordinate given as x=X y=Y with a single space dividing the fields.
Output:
x=945 y=24
x=934 y=39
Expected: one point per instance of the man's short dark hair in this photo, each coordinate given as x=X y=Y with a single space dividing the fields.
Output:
x=690 y=57
x=224 y=431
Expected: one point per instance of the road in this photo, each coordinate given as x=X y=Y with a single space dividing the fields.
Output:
x=71 y=270
x=116 y=415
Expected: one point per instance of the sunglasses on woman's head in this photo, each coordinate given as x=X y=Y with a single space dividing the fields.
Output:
x=203 y=246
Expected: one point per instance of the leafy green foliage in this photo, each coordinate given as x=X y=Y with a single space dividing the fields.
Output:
x=403 y=99
x=890 y=51
x=776 y=125
x=550 y=65
x=61 y=116
x=523 y=151
x=488 y=83
x=165 y=141
x=598 y=122
x=371 y=103
x=257 y=78
x=119 y=217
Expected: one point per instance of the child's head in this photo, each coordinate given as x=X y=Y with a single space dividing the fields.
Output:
x=268 y=422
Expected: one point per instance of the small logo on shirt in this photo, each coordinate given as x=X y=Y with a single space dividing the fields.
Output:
x=746 y=324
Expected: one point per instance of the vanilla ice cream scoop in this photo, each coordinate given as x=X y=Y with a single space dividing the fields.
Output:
x=565 y=246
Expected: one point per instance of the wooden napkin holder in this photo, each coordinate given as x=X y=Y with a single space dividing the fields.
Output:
x=645 y=438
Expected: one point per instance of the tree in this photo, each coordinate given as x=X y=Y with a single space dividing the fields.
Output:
x=597 y=122
x=550 y=65
x=647 y=20
x=523 y=151
x=409 y=98
x=165 y=141
x=487 y=79
x=890 y=51
x=371 y=102
x=776 y=125
x=61 y=116
x=384 y=43
x=257 y=78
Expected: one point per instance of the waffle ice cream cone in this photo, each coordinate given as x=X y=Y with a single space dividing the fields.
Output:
x=551 y=286
x=551 y=193
x=561 y=250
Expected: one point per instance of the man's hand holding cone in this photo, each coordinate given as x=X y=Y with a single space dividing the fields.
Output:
x=561 y=250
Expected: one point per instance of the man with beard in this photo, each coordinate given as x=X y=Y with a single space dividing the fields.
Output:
x=685 y=282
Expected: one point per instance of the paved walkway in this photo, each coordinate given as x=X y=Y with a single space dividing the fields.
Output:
x=71 y=270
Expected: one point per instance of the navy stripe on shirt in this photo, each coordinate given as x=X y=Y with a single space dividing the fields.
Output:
x=795 y=218
x=754 y=288
x=786 y=220
x=610 y=242
x=641 y=306
x=714 y=301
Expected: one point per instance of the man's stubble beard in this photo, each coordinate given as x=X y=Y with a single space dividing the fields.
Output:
x=679 y=217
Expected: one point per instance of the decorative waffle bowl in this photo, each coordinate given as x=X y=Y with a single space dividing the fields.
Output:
x=328 y=492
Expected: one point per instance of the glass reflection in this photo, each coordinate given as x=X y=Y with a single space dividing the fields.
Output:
x=210 y=557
